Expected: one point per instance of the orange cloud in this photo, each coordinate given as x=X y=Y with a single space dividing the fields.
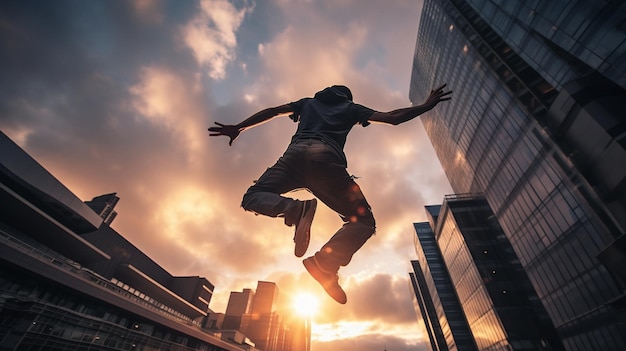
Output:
x=168 y=100
x=181 y=190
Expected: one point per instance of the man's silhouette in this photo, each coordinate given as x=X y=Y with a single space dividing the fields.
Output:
x=315 y=161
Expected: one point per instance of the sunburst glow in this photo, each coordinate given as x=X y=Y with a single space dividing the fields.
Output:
x=305 y=304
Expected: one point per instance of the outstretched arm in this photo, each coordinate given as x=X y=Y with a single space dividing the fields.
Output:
x=402 y=115
x=232 y=131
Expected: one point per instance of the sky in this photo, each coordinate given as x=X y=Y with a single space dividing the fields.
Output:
x=117 y=96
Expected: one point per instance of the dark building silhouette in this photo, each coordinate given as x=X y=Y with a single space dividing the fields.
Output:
x=264 y=324
x=536 y=124
x=473 y=284
x=103 y=205
x=440 y=308
x=239 y=304
x=255 y=315
x=69 y=281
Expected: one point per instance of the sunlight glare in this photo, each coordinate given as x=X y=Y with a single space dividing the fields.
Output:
x=305 y=304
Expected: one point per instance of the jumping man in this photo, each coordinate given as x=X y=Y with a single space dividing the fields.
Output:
x=315 y=161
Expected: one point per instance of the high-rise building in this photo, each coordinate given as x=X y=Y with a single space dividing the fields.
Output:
x=255 y=315
x=439 y=306
x=473 y=284
x=264 y=324
x=239 y=304
x=536 y=124
x=69 y=281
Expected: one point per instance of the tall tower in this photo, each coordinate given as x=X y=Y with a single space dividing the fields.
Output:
x=441 y=310
x=263 y=324
x=265 y=298
x=239 y=304
x=470 y=277
x=536 y=124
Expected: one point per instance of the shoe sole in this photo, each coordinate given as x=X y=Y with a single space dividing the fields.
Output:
x=303 y=232
x=314 y=270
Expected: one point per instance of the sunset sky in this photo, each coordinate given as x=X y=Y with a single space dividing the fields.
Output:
x=116 y=96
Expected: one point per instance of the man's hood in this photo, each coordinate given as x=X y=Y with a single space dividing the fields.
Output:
x=334 y=94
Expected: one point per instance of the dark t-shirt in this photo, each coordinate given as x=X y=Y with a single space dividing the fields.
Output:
x=328 y=122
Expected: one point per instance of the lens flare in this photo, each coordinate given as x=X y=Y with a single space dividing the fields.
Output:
x=305 y=304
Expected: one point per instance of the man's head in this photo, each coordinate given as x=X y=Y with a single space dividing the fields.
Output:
x=344 y=90
x=334 y=94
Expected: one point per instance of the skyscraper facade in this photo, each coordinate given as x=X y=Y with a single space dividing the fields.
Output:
x=536 y=124
x=265 y=298
x=239 y=304
x=264 y=324
x=441 y=311
x=476 y=283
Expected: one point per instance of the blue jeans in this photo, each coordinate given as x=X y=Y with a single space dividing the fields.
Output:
x=320 y=168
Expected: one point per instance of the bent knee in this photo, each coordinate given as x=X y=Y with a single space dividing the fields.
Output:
x=246 y=201
x=369 y=221
x=366 y=219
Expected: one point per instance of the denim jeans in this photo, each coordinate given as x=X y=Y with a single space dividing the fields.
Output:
x=320 y=168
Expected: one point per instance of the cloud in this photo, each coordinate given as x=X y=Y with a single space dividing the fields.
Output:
x=392 y=296
x=302 y=59
x=378 y=305
x=168 y=99
x=124 y=105
x=211 y=35
x=149 y=11
x=371 y=342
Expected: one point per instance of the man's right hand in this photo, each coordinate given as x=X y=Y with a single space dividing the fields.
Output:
x=436 y=96
x=228 y=130
x=406 y=114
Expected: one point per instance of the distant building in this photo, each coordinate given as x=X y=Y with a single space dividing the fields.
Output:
x=103 y=205
x=263 y=324
x=239 y=304
x=255 y=315
x=475 y=292
x=536 y=124
x=69 y=281
x=446 y=325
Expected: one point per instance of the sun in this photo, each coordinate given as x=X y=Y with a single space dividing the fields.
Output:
x=305 y=304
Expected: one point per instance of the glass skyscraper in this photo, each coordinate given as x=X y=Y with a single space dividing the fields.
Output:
x=536 y=124
x=445 y=322
x=482 y=297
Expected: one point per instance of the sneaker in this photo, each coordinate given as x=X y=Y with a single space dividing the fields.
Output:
x=329 y=281
x=303 y=227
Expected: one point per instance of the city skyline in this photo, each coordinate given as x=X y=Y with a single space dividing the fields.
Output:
x=64 y=268
x=115 y=97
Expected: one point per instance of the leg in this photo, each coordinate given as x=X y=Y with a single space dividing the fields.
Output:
x=329 y=181
x=359 y=224
x=264 y=197
x=338 y=251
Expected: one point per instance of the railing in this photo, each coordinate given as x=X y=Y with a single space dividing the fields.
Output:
x=49 y=257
